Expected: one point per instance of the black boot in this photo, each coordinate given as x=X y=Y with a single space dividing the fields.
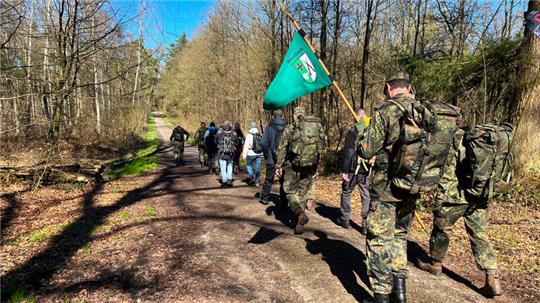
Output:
x=399 y=291
x=378 y=298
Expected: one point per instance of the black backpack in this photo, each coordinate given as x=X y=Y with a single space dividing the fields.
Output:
x=256 y=145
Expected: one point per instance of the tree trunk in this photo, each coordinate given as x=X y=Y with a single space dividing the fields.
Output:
x=324 y=24
x=526 y=112
x=370 y=16
x=139 y=50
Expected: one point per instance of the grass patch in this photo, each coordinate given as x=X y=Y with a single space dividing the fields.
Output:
x=145 y=159
x=150 y=211
x=124 y=214
x=17 y=294
x=38 y=236
x=168 y=121
x=85 y=250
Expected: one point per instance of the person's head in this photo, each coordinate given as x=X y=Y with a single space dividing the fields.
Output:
x=253 y=125
x=203 y=124
x=361 y=113
x=212 y=124
x=226 y=125
x=299 y=113
x=277 y=113
x=397 y=83
x=236 y=125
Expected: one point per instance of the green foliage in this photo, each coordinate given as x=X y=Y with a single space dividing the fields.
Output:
x=168 y=121
x=150 y=211
x=17 y=294
x=146 y=157
x=480 y=82
x=124 y=214
x=85 y=250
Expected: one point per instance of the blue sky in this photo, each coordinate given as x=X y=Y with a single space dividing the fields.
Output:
x=164 y=20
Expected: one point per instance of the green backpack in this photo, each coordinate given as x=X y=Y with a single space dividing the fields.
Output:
x=487 y=169
x=306 y=144
x=426 y=137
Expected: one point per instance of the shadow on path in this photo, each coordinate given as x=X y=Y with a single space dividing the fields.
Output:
x=345 y=262
x=8 y=214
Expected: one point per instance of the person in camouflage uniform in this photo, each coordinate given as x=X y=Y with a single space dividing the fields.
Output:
x=391 y=210
x=178 y=136
x=452 y=203
x=199 y=136
x=299 y=179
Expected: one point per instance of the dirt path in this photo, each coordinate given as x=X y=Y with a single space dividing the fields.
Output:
x=175 y=236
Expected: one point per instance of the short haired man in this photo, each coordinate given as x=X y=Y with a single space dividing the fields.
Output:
x=199 y=137
x=391 y=209
x=269 y=143
x=302 y=158
x=227 y=141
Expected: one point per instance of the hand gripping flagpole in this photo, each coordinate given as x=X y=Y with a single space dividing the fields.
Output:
x=302 y=33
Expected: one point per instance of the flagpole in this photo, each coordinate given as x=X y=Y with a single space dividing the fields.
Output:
x=287 y=12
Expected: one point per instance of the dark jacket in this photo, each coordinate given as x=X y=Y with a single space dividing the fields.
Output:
x=270 y=139
x=349 y=155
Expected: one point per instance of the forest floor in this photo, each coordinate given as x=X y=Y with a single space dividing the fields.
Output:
x=172 y=235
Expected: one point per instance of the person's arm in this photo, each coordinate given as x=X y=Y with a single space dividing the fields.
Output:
x=247 y=145
x=282 y=149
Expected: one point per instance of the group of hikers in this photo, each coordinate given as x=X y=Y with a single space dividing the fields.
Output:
x=407 y=147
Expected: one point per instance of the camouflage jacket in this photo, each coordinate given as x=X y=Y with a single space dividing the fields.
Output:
x=284 y=152
x=379 y=138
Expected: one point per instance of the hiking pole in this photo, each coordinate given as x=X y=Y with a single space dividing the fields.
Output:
x=302 y=33
x=287 y=12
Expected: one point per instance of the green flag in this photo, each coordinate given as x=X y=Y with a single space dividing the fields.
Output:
x=300 y=74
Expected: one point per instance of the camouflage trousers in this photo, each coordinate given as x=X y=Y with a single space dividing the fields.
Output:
x=297 y=186
x=178 y=150
x=388 y=224
x=203 y=157
x=475 y=218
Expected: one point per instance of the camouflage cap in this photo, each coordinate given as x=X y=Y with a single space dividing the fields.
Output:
x=300 y=110
x=400 y=75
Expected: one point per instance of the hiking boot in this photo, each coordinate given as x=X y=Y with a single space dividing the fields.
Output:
x=399 y=291
x=223 y=185
x=229 y=184
x=363 y=229
x=378 y=298
x=343 y=223
x=433 y=267
x=301 y=220
x=493 y=286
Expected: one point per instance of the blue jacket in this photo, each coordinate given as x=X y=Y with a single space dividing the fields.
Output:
x=270 y=140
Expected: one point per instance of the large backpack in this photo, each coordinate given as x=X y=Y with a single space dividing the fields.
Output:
x=229 y=142
x=306 y=144
x=426 y=136
x=178 y=134
x=487 y=169
x=256 y=145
